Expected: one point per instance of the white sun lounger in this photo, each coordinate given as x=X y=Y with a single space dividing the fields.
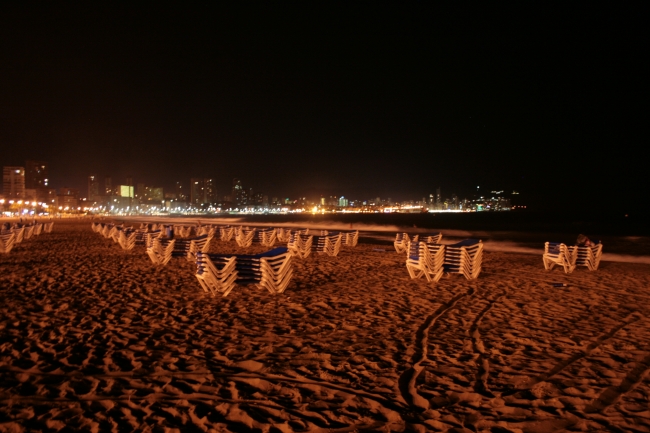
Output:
x=559 y=254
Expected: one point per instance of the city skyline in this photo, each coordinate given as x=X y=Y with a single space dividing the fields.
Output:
x=33 y=186
x=364 y=99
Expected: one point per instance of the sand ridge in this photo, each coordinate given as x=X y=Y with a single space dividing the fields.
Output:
x=96 y=338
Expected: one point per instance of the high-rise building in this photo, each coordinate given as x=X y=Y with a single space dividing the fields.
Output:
x=438 y=199
x=13 y=182
x=140 y=191
x=93 y=188
x=181 y=193
x=108 y=186
x=196 y=191
x=210 y=191
x=36 y=178
x=237 y=192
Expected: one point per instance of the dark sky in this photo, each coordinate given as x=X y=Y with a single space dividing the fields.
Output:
x=369 y=99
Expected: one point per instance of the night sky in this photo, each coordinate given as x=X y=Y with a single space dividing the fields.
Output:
x=388 y=99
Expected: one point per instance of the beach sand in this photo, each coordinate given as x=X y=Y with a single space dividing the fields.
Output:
x=95 y=338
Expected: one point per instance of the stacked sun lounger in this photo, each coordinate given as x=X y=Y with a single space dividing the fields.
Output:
x=14 y=234
x=182 y=231
x=556 y=253
x=244 y=236
x=160 y=251
x=402 y=242
x=283 y=235
x=127 y=239
x=589 y=256
x=426 y=259
x=465 y=258
x=226 y=233
x=266 y=237
x=271 y=270
x=433 y=239
x=329 y=244
x=189 y=247
x=7 y=242
x=351 y=238
x=299 y=244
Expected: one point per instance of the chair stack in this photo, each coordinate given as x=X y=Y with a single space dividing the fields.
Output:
x=329 y=244
x=7 y=242
x=465 y=258
x=351 y=239
x=148 y=237
x=282 y=235
x=433 y=239
x=29 y=231
x=270 y=270
x=13 y=234
x=266 y=237
x=206 y=230
x=589 y=256
x=402 y=242
x=426 y=260
x=218 y=275
x=160 y=251
x=226 y=233
x=182 y=231
x=127 y=239
x=300 y=244
x=556 y=253
x=189 y=247
x=244 y=236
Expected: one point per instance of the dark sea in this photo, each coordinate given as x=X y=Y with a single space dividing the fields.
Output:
x=515 y=231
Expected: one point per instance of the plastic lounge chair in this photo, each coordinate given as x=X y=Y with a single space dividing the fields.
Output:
x=271 y=270
x=329 y=244
x=589 y=256
x=226 y=233
x=189 y=247
x=266 y=237
x=559 y=254
x=29 y=231
x=300 y=245
x=244 y=237
x=20 y=234
x=402 y=242
x=433 y=239
x=426 y=260
x=127 y=239
x=216 y=276
x=160 y=251
x=351 y=238
x=465 y=258
x=7 y=242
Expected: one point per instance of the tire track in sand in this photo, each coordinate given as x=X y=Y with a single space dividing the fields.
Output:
x=483 y=365
x=408 y=379
x=631 y=318
x=612 y=394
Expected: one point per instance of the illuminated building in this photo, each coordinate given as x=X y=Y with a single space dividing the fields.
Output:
x=13 y=182
x=202 y=191
x=93 y=188
x=238 y=193
x=108 y=186
x=36 y=178
x=180 y=192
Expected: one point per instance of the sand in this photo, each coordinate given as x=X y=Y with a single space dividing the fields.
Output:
x=95 y=338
